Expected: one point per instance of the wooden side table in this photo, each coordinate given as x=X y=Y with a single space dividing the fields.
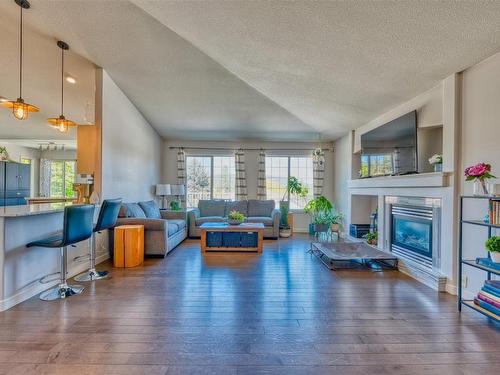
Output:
x=129 y=246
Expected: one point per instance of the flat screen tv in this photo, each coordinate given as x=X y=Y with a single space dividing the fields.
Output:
x=390 y=149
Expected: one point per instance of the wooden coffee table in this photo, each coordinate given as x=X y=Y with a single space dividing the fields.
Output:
x=257 y=228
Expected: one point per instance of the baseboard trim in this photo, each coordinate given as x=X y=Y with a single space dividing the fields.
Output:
x=36 y=288
x=451 y=289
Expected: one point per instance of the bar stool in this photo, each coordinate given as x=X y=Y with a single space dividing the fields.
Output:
x=107 y=219
x=77 y=227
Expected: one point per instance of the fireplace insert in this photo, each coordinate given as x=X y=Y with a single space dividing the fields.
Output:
x=412 y=230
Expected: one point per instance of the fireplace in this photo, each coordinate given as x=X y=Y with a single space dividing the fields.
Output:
x=411 y=232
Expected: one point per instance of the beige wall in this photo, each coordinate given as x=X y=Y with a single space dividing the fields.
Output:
x=131 y=148
x=301 y=221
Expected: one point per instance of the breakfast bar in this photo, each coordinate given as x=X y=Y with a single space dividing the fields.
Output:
x=22 y=268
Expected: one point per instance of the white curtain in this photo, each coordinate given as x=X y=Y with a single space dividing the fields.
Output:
x=318 y=172
x=181 y=173
x=241 y=177
x=44 y=188
x=261 y=177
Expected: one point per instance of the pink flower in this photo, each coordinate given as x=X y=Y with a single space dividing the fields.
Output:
x=478 y=170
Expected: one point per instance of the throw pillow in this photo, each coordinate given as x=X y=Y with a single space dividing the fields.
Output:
x=151 y=209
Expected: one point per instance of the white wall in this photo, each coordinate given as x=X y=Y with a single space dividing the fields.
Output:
x=479 y=143
x=131 y=148
x=301 y=221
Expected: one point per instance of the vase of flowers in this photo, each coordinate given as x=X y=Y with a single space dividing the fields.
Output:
x=436 y=161
x=480 y=173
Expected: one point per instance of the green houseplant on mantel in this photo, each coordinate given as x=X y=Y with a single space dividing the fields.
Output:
x=493 y=246
x=294 y=188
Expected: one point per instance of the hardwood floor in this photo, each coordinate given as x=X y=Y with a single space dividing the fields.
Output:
x=281 y=312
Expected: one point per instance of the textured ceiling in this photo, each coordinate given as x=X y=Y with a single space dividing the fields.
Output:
x=337 y=64
x=271 y=69
x=42 y=80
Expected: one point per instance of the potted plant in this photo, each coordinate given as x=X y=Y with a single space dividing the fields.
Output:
x=479 y=173
x=316 y=208
x=493 y=246
x=371 y=238
x=337 y=219
x=175 y=205
x=235 y=218
x=4 y=155
x=436 y=161
x=294 y=188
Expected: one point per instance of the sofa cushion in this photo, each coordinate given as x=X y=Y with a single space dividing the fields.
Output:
x=240 y=206
x=151 y=209
x=212 y=207
x=131 y=210
x=209 y=219
x=173 y=228
x=267 y=221
x=260 y=208
x=181 y=224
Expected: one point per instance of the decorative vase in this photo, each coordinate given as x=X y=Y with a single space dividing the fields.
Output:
x=438 y=167
x=482 y=187
x=335 y=227
x=495 y=256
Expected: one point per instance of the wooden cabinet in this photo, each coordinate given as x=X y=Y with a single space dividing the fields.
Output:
x=129 y=246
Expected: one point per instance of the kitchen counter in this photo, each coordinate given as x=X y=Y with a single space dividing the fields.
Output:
x=32 y=209
x=21 y=268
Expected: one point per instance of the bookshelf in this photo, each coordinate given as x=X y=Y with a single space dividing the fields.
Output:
x=472 y=262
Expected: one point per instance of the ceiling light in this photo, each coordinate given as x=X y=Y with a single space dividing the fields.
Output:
x=20 y=109
x=3 y=100
x=61 y=123
x=70 y=80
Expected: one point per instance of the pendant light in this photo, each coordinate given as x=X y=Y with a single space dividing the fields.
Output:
x=21 y=109
x=61 y=123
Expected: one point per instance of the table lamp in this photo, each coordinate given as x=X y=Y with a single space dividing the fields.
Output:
x=162 y=190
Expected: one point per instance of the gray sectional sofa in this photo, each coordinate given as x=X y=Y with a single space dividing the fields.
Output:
x=256 y=211
x=163 y=230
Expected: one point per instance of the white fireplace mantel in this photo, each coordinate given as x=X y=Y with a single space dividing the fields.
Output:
x=434 y=179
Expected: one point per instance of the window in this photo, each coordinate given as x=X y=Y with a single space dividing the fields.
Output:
x=62 y=177
x=279 y=169
x=210 y=177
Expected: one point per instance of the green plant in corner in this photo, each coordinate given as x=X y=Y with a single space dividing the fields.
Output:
x=493 y=246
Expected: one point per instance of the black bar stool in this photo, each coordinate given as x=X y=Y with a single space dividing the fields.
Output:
x=107 y=219
x=77 y=227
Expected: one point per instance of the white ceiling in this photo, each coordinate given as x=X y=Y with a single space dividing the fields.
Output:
x=270 y=69
x=42 y=80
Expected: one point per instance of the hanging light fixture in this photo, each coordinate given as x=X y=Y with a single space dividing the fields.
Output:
x=20 y=109
x=61 y=123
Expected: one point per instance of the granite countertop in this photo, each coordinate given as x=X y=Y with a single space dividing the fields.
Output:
x=32 y=209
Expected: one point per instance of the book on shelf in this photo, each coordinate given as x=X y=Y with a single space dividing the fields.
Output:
x=489 y=290
x=487 y=262
x=486 y=299
x=495 y=284
x=487 y=306
x=494 y=212
x=490 y=296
